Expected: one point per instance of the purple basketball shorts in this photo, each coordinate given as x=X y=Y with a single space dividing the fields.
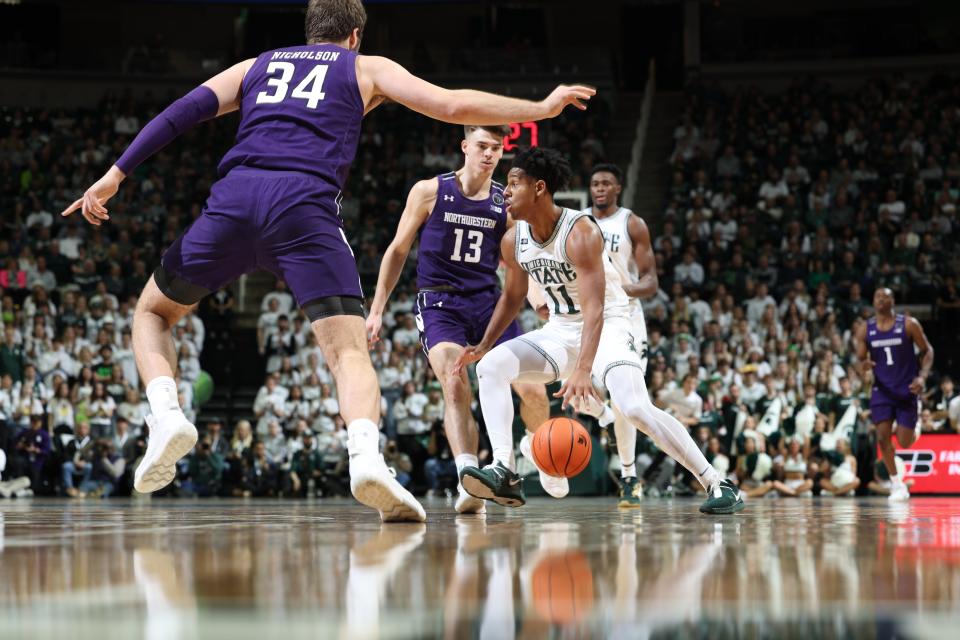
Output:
x=458 y=318
x=905 y=410
x=284 y=222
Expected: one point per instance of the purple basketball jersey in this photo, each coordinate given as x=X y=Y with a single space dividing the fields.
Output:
x=892 y=351
x=300 y=110
x=460 y=242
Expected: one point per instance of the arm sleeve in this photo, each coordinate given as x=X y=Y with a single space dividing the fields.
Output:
x=198 y=105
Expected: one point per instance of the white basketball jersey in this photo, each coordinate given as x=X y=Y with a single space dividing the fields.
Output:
x=616 y=238
x=549 y=266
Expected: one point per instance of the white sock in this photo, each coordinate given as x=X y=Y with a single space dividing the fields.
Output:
x=895 y=480
x=497 y=405
x=363 y=437
x=465 y=460
x=626 y=446
x=163 y=397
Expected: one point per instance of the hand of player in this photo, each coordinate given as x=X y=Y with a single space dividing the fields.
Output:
x=918 y=385
x=565 y=94
x=577 y=389
x=469 y=355
x=544 y=312
x=91 y=203
x=374 y=324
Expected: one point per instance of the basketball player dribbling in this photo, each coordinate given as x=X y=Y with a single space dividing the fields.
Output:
x=275 y=207
x=460 y=220
x=885 y=348
x=588 y=337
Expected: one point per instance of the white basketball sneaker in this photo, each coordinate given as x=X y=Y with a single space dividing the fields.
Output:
x=556 y=487
x=899 y=493
x=372 y=484
x=170 y=439
x=467 y=504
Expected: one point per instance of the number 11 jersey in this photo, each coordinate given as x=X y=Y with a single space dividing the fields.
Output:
x=460 y=241
x=548 y=265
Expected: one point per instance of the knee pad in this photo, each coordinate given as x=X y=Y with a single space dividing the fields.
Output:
x=488 y=367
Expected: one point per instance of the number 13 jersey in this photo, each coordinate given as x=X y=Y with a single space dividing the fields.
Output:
x=548 y=265
x=460 y=241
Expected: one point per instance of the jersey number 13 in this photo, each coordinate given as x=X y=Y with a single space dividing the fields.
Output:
x=474 y=242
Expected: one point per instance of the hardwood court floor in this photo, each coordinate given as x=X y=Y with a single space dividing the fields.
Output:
x=577 y=568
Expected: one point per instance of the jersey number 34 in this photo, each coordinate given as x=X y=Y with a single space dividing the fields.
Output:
x=309 y=89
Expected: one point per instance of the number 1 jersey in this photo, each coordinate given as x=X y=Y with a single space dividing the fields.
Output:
x=300 y=110
x=460 y=241
x=894 y=356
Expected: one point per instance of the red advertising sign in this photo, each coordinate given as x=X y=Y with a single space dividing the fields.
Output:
x=933 y=463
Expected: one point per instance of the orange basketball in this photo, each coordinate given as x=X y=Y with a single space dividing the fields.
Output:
x=561 y=447
x=563 y=587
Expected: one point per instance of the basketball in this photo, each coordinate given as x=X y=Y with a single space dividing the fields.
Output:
x=563 y=587
x=562 y=447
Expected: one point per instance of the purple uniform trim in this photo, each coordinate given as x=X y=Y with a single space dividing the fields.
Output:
x=460 y=319
x=284 y=222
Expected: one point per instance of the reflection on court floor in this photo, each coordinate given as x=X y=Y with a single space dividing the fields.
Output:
x=576 y=568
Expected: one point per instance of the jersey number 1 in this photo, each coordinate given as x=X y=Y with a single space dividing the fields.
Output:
x=889 y=355
x=309 y=89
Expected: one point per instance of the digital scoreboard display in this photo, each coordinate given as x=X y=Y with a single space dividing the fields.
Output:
x=522 y=134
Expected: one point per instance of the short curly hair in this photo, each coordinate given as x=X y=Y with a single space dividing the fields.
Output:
x=608 y=168
x=544 y=164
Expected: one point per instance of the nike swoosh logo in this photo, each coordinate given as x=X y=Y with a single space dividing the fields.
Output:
x=514 y=483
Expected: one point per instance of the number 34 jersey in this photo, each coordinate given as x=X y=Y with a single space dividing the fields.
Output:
x=460 y=241
x=548 y=265
x=300 y=111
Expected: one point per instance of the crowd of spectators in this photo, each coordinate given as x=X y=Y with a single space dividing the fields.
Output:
x=71 y=403
x=785 y=212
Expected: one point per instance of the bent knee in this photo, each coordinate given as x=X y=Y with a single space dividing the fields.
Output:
x=906 y=437
x=635 y=412
x=635 y=407
x=455 y=387
x=489 y=366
